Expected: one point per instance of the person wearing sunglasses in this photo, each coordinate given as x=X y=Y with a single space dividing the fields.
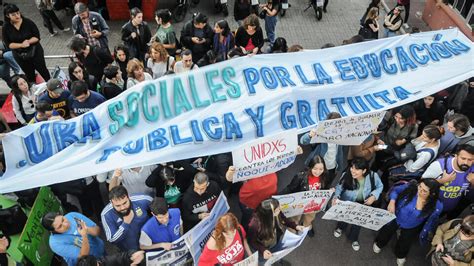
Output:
x=23 y=99
x=453 y=243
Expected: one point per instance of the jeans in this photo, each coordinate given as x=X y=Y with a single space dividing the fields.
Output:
x=388 y=33
x=270 y=26
x=8 y=56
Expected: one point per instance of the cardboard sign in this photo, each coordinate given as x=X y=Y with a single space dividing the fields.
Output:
x=34 y=240
x=304 y=202
x=359 y=214
x=265 y=155
x=351 y=130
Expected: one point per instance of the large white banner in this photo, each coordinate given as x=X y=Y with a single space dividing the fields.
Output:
x=304 y=202
x=351 y=130
x=265 y=155
x=222 y=106
x=358 y=214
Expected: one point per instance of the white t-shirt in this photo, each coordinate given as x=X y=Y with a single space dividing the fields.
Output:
x=159 y=68
x=179 y=68
x=132 y=180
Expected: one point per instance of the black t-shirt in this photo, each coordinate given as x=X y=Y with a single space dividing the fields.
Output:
x=60 y=104
x=95 y=62
x=27 y=30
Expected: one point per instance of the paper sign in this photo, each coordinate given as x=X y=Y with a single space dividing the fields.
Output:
x=265 y=155
x=358 y=214
x=348 y=130
x=304 y=202
x=178 y=255
x=289 y=242
x=250 y=261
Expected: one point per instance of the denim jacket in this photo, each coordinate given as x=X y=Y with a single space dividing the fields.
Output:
x=351 y=195
x=322 y=148
x=78 y=27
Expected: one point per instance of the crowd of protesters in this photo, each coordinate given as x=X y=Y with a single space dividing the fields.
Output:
x=419 y=163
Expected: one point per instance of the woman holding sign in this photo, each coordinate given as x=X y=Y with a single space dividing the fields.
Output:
x=417 y=209
x=227 y=244
x=313 y=178
x=359 y=185
x=267 y=226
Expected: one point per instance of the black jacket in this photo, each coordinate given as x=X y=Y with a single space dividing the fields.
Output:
x=140 y=43
x=183 y=178
x=110 y=90
x=198 y=49
x=242 y=37
x=298 y=183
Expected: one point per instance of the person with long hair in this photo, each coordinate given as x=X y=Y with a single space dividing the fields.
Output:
x=227 y=244
x=24 y=99
x=314 y=177
x=136 y=73
x=77 y=72
x=159 y=61
x=121 y=58
x=22 y=36
x=417 y=209
x=136 y=35
x=223 y=40
x=249 y=36
x=360 y=185
x=371 y=25
x=267 y=227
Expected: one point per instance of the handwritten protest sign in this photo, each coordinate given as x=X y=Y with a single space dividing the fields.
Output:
x=303 y=202
x=197 y=238
x=348 y=130
x=34 y=239
x=250 y=261
x=289 y=242
x=265 y=155
x=358 y=214
x=178 y=255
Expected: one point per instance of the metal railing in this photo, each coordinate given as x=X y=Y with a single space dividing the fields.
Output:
x=465 y=9
x=55 y=57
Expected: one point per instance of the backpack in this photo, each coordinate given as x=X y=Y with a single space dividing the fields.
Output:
x=400 y=172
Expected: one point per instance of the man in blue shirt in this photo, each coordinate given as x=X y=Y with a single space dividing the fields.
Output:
x=73 y=236
x=163 y=228
x=124 y=217
x=82 y=100
x=57 y=97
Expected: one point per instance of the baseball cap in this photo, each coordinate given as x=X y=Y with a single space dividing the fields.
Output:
x=55 y=85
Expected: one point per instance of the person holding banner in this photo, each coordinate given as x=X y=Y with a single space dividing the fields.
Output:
x=417 y=208
x=359 y=185
x=199 y=200
x=313 y=178
x=161 y=230
x=227 y=244
x=267 y=227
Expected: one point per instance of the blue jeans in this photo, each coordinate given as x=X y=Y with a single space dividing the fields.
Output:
x=8 y=56
x=388 y=33
x=270 y=26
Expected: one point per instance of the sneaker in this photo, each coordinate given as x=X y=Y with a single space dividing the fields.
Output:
x=376 y=248
x=66 y=29
x=355 y=246
x=401 y=262
x=324 y=10
x=337 y=233
x=53 y=34
x=311 y=233
x=406 y=26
